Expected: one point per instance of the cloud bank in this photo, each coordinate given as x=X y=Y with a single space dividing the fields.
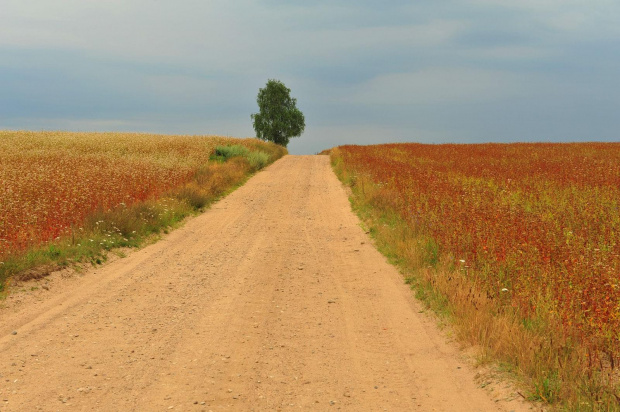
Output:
x=363 y=72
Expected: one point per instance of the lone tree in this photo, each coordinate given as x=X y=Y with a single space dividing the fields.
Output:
x=278 y=119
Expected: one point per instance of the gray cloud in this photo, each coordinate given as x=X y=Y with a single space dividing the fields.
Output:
x=363 y=71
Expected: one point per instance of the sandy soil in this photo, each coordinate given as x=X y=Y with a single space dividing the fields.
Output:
x=275 y=299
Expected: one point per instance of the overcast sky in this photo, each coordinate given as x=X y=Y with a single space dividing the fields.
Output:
x=362 y=71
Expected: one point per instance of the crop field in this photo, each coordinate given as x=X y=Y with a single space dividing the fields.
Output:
x=50 y=182
x=536 y=227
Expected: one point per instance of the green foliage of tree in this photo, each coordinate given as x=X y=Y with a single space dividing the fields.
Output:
x=278 y=118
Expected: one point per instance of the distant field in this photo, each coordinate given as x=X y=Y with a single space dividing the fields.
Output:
x=50 y=182
x=535 y=228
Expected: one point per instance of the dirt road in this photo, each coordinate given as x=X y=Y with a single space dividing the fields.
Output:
x=274 y=299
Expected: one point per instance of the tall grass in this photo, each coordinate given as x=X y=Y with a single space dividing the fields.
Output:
x=256 y=158
x=227 y=152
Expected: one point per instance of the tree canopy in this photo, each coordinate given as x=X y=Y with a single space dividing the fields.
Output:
x=278 y=118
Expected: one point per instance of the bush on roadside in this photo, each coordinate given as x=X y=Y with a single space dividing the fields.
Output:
x=227 y=152
x=258 y=160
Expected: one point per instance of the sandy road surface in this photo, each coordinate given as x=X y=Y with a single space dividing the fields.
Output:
x=272 y=300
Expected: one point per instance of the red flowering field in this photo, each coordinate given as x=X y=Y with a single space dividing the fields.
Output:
x=536 y=226
x=51 y=181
